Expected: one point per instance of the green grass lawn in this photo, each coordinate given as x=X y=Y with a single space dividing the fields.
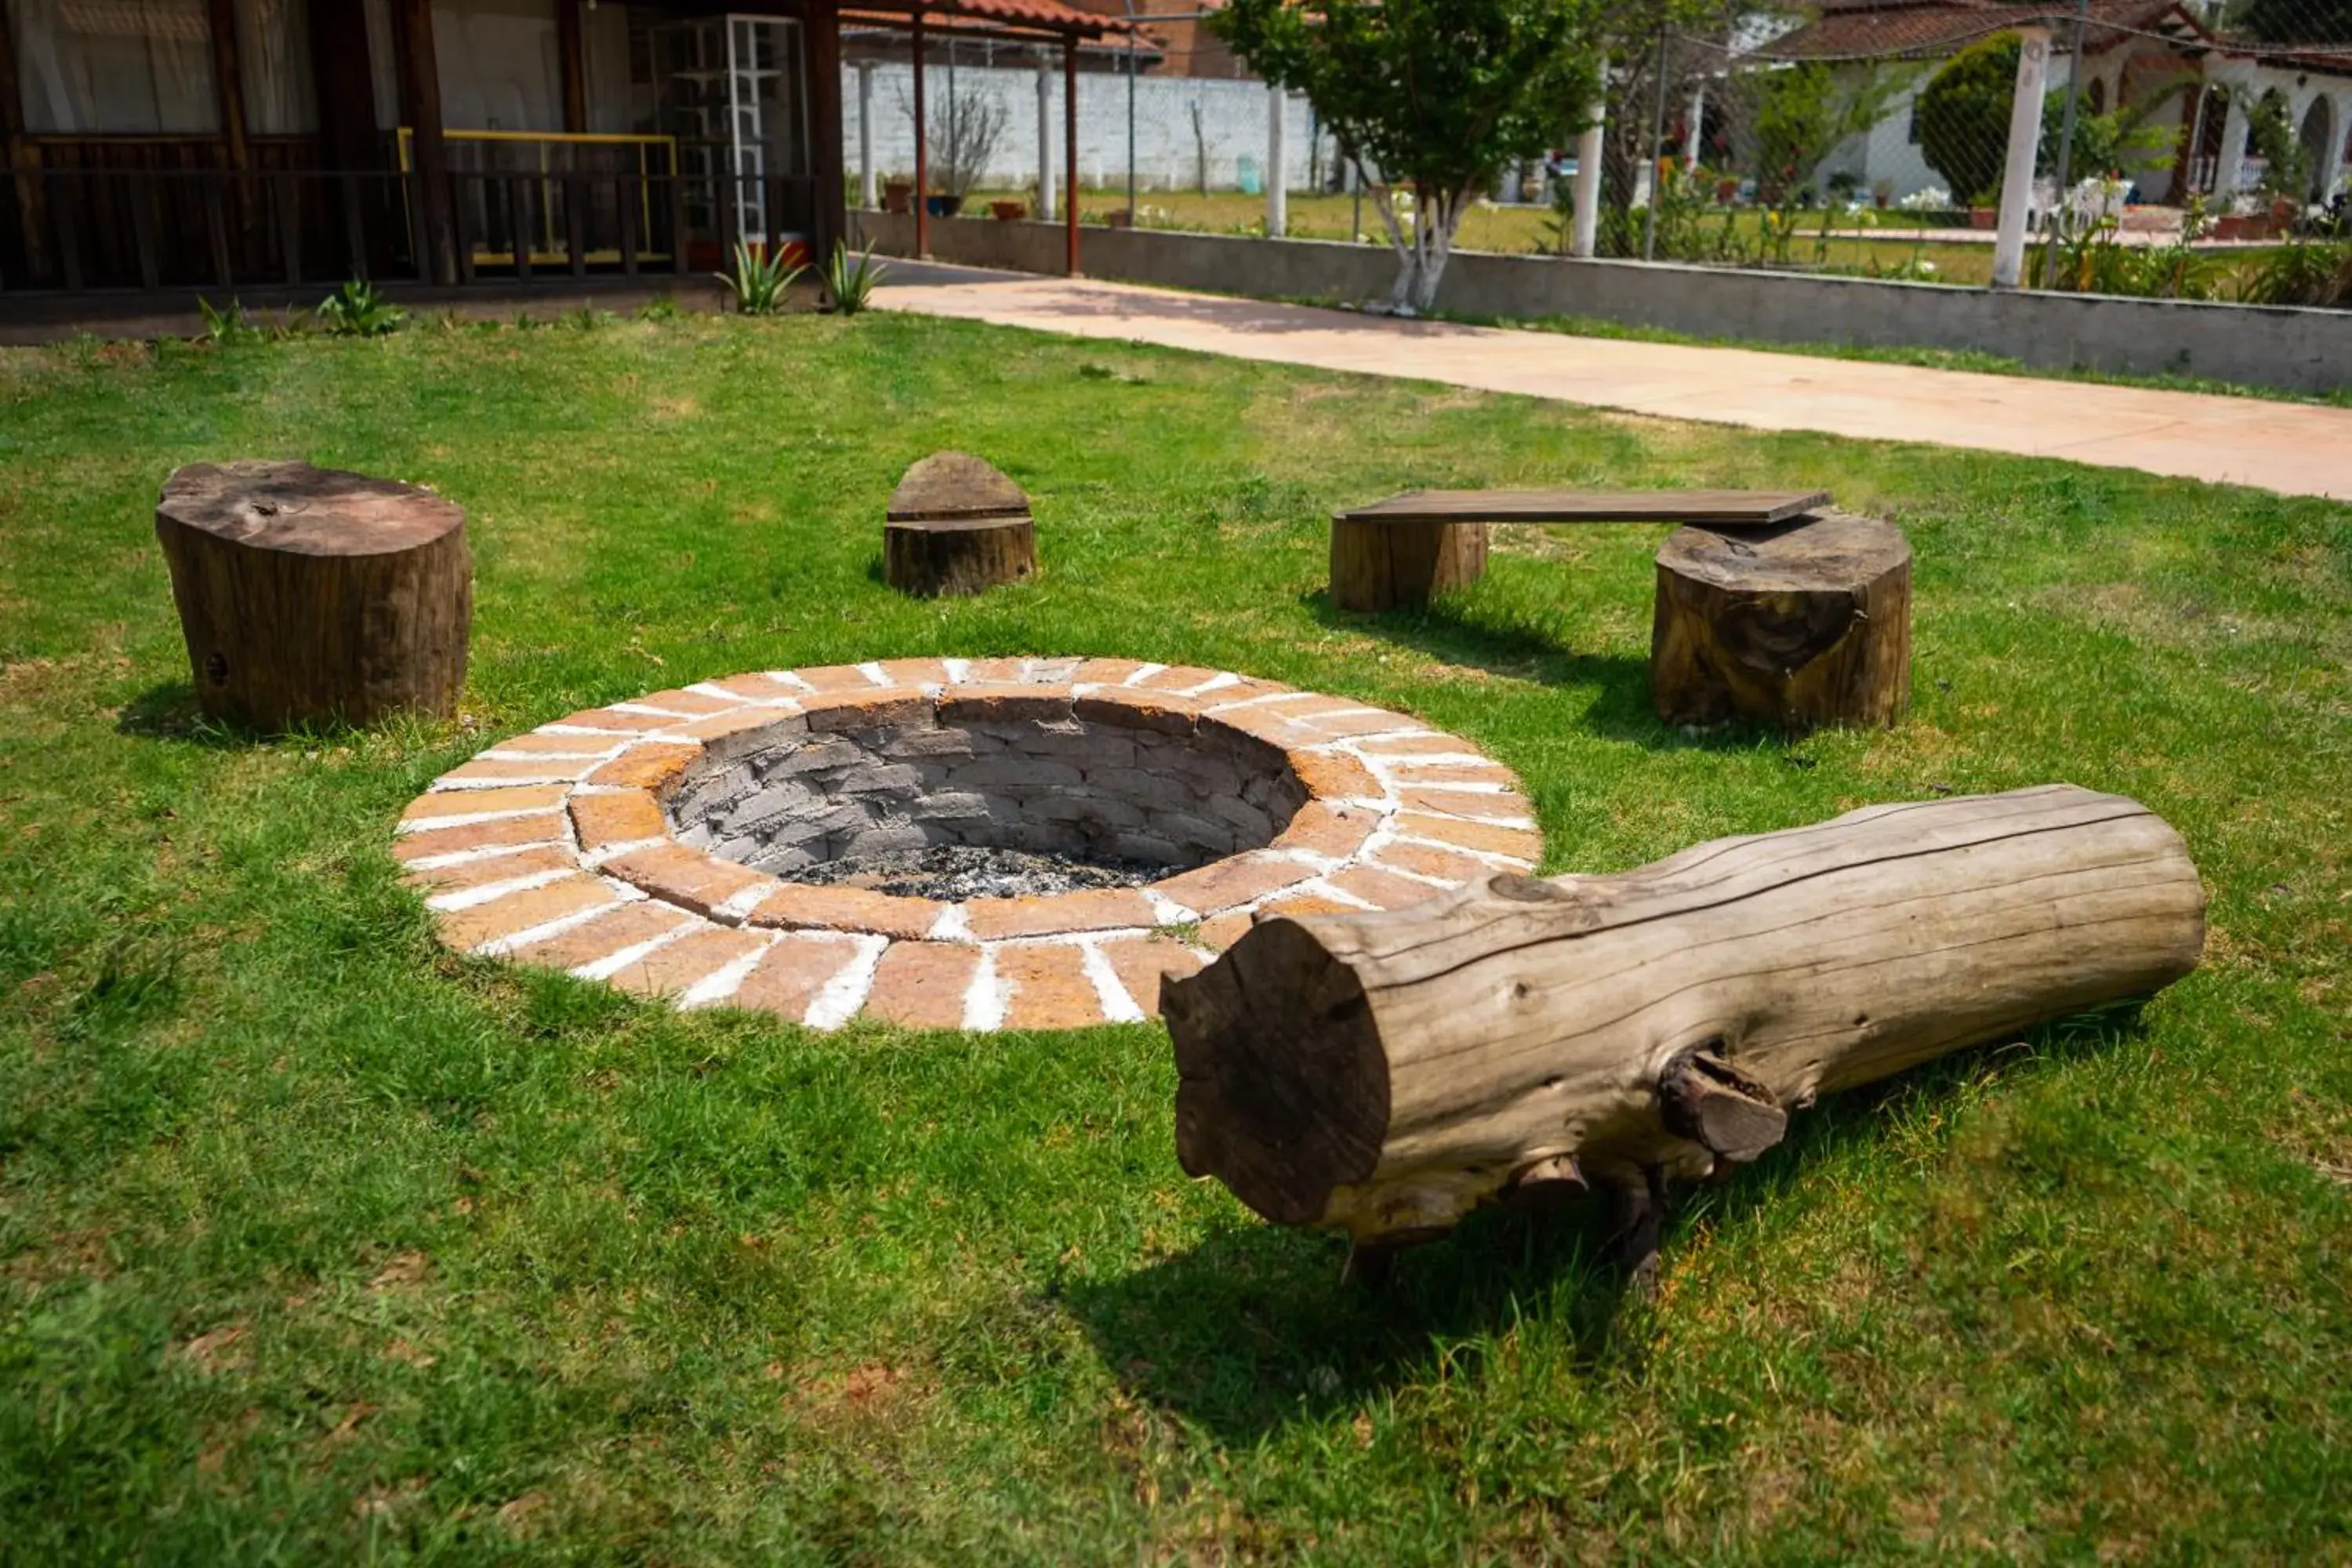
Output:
x=319 y=1244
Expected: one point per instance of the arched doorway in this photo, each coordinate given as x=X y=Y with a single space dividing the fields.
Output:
x=2201 y=134
x=2317 y=135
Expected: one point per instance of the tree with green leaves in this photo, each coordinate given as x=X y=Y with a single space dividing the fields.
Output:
x=1803 y=112
x=1431 y=97
x=1963 y=116
x=2293 y=21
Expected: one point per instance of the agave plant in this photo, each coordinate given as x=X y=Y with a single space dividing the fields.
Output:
x=850 y=276
x=226 y=324
x=760 y=282
x=357 y=310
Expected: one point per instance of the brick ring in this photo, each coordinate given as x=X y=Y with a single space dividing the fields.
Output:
x=610 y=843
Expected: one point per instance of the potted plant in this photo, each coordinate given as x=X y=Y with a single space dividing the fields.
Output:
x=1008 y=212
x=963 y=143
x=1119 y=217
x=898 y=196
x=1881 y=192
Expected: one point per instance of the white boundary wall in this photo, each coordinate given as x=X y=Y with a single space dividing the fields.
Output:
x=2299 y=350
x=1232 y=126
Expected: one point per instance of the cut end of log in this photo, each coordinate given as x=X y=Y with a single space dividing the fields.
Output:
x=1545 y=1183
x=955 y=486
x=1731 y=1115
x=1281 y=1128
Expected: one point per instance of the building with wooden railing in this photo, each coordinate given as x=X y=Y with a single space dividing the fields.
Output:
x=155 y=146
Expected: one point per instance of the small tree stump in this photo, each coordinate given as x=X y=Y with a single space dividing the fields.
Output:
x=956 y=525
x=1798 y=624
x=308 y=594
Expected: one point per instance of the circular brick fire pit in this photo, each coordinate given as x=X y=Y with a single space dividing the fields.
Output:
x=730 y=843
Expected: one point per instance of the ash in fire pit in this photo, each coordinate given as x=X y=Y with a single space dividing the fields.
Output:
x=954 y=872
x=991 y=794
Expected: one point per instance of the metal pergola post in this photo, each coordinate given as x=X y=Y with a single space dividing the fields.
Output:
x=922 y=153
x=1070 y=151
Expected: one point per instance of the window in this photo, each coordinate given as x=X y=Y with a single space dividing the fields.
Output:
x=273 y=62
x=115 y=67
x=500 y=65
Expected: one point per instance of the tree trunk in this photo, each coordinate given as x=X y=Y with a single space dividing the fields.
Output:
x=933 y=559
x=1796 y=625
x=1386 y=1073
x=311 y=594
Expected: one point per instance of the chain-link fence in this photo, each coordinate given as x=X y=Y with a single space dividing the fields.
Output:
x=2158 y=147
x=2128 y=146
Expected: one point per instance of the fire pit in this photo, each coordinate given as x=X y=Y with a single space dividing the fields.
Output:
x=977 y=844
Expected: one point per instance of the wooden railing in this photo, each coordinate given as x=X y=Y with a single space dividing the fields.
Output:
x=91 y=228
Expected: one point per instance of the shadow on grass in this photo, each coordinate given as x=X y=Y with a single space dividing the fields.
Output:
x=1253 y=1330
x=1454 y=630
x=169 y=712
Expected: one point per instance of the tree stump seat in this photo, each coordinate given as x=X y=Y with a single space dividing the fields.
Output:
x=955 y=526
x=1400 y=552
x=1796 y=625
x=311 y=594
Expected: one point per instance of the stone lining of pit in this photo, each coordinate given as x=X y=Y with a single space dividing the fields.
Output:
x=641 y=843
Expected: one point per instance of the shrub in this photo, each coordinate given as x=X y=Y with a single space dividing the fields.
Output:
x=226 y=325
x=850 y=276
x=2301 y=274
x=760 y=283
x=357 y=310
x=1963 y=116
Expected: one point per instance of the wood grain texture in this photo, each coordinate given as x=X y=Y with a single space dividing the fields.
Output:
x=1727 y=507
x=1387 y=1073
x=311 y=594
x=1402 y=565
x=947 y=485
x=966 y=556
x=1798 y=624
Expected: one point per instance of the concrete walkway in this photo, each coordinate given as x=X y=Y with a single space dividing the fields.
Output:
x=2293 y=448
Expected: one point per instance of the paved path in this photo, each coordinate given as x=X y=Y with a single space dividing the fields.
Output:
x=2294 y=449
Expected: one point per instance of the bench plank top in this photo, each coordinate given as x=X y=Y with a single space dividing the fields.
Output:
x=1718 y=507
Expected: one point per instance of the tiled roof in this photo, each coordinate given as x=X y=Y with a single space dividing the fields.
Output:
x=1919 y=29
x=1035 y=16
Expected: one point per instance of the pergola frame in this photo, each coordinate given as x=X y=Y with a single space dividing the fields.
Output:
x=1031 y=22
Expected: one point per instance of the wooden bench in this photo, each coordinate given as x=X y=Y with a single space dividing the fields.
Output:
x=1397 y=553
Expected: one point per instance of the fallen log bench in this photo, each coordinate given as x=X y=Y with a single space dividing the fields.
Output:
x=1387 y=1073
x=1400 y=552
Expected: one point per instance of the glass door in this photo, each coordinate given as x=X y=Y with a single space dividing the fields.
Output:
x=731 y=91
x=768 y=120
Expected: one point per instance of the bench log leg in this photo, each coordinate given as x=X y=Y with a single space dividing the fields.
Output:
x=1403 y=566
